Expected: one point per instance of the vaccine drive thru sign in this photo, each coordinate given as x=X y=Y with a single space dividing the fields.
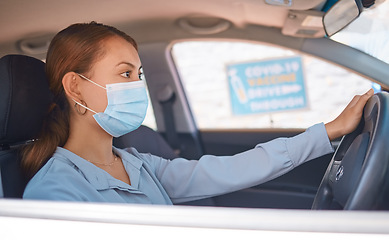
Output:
x=267 y=86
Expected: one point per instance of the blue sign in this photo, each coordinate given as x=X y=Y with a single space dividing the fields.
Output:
x=267 y=86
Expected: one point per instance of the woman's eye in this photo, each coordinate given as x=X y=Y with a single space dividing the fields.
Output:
x=126 y=74
x=141 y=76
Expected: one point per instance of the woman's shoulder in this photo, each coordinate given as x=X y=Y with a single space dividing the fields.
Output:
x=58 y=173
x=56 y=166
x=55 y=170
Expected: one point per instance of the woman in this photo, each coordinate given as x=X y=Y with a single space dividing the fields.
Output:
x=95 y=76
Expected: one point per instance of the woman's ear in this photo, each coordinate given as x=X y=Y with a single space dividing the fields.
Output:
x=70 y=82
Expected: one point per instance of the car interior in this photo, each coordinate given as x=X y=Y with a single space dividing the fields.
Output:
x=24 y=93
x=23 y=110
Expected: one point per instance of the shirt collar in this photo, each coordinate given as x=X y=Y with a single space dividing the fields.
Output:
x=99 y=178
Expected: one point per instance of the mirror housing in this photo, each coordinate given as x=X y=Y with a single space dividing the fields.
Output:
x=341 y=14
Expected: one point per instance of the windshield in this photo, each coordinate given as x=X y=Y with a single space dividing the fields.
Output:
x=369 y=33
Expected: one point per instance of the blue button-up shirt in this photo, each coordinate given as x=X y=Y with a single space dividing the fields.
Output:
x=154 y=180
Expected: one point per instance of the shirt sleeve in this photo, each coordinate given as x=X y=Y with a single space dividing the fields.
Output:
x=187 y=180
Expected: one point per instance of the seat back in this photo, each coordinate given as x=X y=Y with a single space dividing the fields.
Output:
x=24 y=100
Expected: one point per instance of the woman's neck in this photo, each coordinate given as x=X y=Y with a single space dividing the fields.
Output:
x=90 y=142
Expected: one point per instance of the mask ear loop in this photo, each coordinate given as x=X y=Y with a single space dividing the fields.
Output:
x=91 y=81
x=83 y=104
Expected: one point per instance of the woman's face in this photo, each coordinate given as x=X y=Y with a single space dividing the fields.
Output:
x=120 y=63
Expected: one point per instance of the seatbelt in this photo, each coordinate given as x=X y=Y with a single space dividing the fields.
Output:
x=1 y=186
x=166 y=98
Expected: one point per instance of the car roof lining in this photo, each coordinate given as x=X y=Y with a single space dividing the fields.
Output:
x=29 y=18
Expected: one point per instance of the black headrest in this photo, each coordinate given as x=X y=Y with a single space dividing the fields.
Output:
x=24 y=98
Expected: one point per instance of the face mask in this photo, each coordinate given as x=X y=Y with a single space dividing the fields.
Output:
x=126 y=109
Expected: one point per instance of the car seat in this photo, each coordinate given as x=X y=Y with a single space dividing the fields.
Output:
x=24 y=100
x=146 y=140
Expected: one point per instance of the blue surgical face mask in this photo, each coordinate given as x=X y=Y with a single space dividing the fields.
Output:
x=126 y=109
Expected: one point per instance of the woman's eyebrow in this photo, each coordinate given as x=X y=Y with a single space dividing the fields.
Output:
x=129 y=64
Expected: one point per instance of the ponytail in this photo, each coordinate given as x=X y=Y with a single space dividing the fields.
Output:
x=55 y=132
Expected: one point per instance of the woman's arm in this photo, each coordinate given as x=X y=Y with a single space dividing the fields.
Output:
x=187 y=180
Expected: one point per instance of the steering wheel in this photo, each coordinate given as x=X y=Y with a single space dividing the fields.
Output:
x=357 y=177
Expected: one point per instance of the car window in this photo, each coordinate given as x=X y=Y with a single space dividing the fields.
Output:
x=369 y=32
x=150 y=117
x=208 y=70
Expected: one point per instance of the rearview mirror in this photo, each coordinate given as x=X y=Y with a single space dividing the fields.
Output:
x=341 y=14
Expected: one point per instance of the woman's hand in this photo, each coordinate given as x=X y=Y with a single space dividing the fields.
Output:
x=349 y=119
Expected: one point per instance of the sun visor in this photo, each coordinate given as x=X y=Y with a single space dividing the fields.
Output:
x=307 y=24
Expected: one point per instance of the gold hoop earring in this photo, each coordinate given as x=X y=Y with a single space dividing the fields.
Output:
x=77 y=107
